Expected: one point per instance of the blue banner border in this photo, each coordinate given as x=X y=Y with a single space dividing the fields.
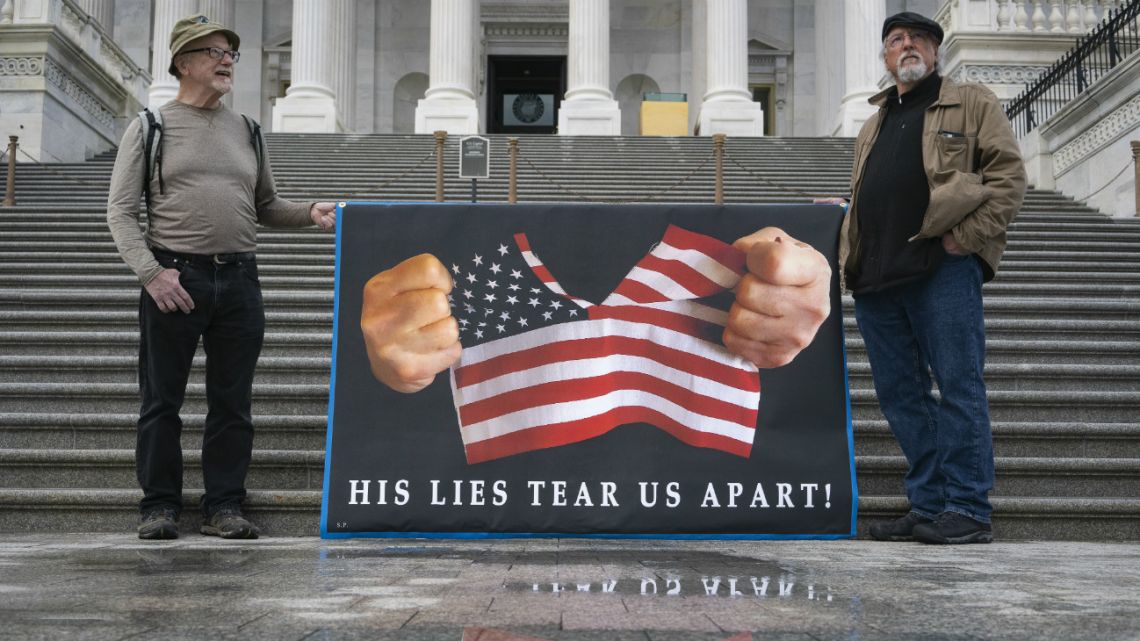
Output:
x=325 y=534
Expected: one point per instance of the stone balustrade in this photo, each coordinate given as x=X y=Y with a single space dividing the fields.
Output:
x=76 y=89
x=85 y=33
x=1054 y=17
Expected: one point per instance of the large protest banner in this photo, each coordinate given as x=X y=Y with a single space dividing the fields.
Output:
x=594 y=395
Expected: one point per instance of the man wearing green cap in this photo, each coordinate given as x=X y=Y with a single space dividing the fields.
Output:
x=209 y=188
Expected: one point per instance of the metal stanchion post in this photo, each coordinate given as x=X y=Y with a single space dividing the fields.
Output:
x=10 y=193
x=1136 y=161
x=718 y=152
x=440 y=136
x=513 y=175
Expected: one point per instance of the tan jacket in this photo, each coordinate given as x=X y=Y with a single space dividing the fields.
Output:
x=977 y=181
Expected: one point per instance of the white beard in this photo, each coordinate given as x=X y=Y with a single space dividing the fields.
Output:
x=912 y=72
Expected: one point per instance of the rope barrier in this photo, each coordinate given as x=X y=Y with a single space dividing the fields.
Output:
x=65 y=176
x=649 y=198
x=772 y=183
x=61 y=174
x=407 y=173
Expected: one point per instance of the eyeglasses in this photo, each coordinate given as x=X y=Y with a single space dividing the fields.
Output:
x=215 y=53
x=896 y=41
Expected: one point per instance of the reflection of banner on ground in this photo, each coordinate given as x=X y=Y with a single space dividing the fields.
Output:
x=594 y=395
x=490 y=634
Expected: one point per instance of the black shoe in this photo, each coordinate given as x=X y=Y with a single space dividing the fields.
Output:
x=159 y=523
x=899 y=529
x=951 y=527
x=229 y=523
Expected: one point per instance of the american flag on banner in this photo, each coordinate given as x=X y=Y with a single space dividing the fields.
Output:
x=541 y=368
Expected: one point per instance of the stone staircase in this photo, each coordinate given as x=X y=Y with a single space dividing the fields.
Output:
x=1063 y=320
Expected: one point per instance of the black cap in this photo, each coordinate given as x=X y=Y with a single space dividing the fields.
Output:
x=912 y=19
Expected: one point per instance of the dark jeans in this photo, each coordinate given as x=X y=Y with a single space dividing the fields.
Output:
x=935 y=326
x=229 y=318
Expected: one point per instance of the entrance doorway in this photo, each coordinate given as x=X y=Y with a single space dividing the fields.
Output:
x=763 y=95
x=524 y=93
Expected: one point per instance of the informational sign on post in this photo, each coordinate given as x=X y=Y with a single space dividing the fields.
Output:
x=474 y=157
x=593 y=394
x=474 y=161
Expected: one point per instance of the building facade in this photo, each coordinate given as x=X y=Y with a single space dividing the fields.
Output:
x=73 y=72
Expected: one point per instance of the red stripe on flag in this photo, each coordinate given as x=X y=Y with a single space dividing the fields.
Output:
x=639 y=292
x=683 y=274
x=556 y=434
x=571 y=350
x=723 y=253
x=576 y=389
x=543 y=273
x=680 y=323
x=522 y=242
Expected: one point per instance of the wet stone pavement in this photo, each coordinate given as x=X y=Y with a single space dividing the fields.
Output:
x=112 y=587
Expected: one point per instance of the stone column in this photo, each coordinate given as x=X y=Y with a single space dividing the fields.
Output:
x=220 y=11
x=103 y=11
x=862 y=26
x=728 y=107
x=589 y=107
x=344 y=61
x=309 y=104
x=449 y=103
x=163 y=86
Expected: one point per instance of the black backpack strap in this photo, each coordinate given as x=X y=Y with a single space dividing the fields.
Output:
x=255 y=140
x=151 y=134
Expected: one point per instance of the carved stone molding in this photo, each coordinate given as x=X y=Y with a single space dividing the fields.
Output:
x=527 y=30
x=999 y=74
x=72 y=21
x=523 y=25
x=57 y=76
x=551 y=12
x=1124 y=118
x=22 y=66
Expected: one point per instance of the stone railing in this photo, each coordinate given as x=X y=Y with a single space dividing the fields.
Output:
x=1025 y=16
x=83 y=32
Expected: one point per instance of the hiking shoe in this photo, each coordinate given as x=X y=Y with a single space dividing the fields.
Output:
x=899 y=529
x=951 y=527
x=159 y=523
x=229 y=523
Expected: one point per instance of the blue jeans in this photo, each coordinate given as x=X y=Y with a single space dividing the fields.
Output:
x=935 y=326
x=229 y=318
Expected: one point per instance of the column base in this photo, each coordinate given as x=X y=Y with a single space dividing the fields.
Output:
x=296 y=114
x=453 y=116
x=159 y=95
x=1038 y=160
x=853 y=112
x=589 y=118
x=732 y=118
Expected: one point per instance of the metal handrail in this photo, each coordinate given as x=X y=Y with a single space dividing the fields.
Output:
x=1113 y=40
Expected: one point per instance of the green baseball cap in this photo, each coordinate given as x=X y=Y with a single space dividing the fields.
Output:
x=194 y=27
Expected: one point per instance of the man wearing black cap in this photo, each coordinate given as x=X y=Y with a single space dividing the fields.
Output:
x=937 y=179
x=209 y=189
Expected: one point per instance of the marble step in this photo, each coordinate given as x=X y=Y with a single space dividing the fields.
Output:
x=47 y=429
x=297 y=513
x=308 y=399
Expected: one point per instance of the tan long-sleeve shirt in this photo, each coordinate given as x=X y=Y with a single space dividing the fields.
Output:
x=212 y=198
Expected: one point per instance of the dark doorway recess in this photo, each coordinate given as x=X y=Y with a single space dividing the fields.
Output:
x=524 y=92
